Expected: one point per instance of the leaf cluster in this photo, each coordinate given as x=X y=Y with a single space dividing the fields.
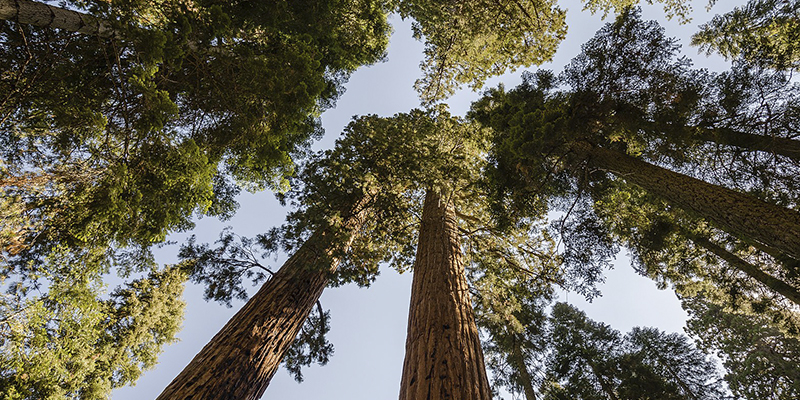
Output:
x=71 y=340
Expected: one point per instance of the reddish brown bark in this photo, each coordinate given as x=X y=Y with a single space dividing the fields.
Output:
x=444 y=359
x=241 y=359
x=737 y=213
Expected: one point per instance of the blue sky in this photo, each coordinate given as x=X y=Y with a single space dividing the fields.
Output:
x=369 y=325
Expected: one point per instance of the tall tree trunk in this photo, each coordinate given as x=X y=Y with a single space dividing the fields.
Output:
x=241 y=359
x=788 y=291
x=47 y=16
x=444 y=359
x=791 y=264
x=525 y=379
x=684 y=387
x=776 y=145
x=737 y=213
x=604 y=384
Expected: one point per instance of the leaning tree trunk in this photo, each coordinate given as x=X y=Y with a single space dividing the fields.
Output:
x=240 y=360
x=444 y=359
x=737 y=213
x=517 y=360
x=786 y=290
x=47 y=16
x=604 y=384
x=776 y=145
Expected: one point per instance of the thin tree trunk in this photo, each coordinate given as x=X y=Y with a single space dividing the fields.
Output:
x=686 y=389
x=241 y=359
x=47 y=16
x=776 y=145
x=789 y=292
x=526 y=380
x=609 y=391
x=444 y=359
x=737 y=213
x=791 y=264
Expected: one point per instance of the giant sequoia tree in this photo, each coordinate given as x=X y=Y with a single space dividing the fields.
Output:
x=169 y=102
x=443 y=353
x=555 y=137
x=377 y=168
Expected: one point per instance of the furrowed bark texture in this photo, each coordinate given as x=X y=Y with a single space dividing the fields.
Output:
x=444 y=359
x=241 y=359
x=737 y=213
x=46 y=16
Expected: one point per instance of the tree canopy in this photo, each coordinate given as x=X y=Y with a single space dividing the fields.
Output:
x=763 y=32
x=123 y=121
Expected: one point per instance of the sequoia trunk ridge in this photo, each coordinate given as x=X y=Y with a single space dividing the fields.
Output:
x=443 y=359
x=737 y=213
x=239 y=362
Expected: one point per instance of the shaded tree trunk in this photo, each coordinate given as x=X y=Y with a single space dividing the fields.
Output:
x=444 y=359
x=240 y=360
x=604 y=384
x=684 y=387
x=777 y=285
x=525 y=379
x=791 y=264
x=47 y=16
x=776 y=145
x=737 y=213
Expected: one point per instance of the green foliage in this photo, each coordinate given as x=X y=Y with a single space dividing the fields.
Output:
x=574 y=357
x=509 y=309
x=467 y=42
x=765 y=33
x=682 y=252
x=72 y=341
x=582 y=363
x=111 y=143
x=760 y=361
x=311 y=345
x=121 y=140
x=589 y=360
x=629 y=92
x=672 y=356
x=673 y=8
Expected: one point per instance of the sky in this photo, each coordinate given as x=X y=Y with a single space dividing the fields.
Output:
x=369 y=325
